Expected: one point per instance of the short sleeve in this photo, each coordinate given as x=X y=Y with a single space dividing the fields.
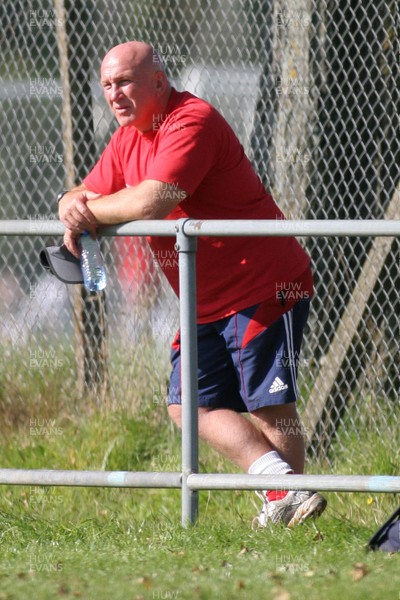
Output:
x=107 y=177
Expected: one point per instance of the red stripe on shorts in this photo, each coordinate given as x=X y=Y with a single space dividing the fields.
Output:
x=270 y=310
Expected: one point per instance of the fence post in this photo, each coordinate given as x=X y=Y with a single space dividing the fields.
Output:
x=73 y=22
x=187 y=247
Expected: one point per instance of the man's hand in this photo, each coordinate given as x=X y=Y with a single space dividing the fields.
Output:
x=74 y=213
x=71 y=241
x=76 y=216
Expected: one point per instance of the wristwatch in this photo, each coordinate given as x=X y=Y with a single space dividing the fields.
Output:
x=61 y=195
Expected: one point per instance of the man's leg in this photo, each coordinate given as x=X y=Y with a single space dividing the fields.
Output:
x=282 y=428
x=242 y=441
x=263 y=364
x=265 y=450
x=230 y=433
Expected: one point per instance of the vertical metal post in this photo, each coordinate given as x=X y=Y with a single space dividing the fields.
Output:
x=186 y=247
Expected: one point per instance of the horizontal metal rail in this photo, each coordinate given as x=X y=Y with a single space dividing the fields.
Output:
x=119 y=479
x=240 y=228
x=202 y=481
x=333 y=483
x=282 y=227
x=41 y=227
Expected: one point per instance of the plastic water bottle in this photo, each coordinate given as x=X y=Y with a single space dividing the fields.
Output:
x=93 y=271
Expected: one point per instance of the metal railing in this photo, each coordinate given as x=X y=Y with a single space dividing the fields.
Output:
x=189 y=480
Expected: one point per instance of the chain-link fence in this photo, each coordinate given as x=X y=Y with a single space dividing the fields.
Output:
x=312 y=90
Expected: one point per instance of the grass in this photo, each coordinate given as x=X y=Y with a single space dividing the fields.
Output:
x=111 y=544
x=115 y=558
x=128 y=544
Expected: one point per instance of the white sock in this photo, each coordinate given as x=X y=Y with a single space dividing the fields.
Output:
x=270 y=464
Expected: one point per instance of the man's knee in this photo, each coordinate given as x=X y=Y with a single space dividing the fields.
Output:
x=272 y=415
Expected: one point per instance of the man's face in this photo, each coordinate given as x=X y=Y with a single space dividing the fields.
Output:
x=132 y=91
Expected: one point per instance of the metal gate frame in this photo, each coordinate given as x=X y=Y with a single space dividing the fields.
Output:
x=189 y=480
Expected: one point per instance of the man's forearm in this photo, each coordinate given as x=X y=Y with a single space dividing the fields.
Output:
x=149 y=200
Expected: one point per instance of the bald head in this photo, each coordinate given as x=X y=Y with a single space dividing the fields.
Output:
x=135 y=84
x=136 y=54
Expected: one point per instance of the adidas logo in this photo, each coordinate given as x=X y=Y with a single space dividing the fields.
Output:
x=277 y=386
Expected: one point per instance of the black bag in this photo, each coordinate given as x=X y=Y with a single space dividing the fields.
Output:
x=387 y=538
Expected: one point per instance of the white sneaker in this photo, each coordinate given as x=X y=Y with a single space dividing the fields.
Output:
x=293 y=509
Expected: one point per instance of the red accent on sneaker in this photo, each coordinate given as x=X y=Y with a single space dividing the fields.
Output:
x=274 y=495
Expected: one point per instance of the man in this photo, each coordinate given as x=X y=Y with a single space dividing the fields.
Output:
x=175 y=156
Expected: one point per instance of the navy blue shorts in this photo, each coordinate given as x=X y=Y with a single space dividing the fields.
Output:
x=243 y=364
